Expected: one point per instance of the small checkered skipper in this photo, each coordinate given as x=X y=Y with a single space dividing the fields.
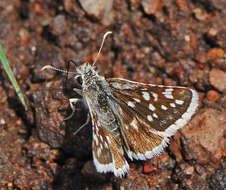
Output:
x=130 y=119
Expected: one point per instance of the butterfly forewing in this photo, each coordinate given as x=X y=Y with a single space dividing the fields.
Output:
x=151 y=112
x=161 y=106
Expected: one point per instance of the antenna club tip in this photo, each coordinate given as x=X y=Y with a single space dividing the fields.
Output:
x=107 y=33
x=46 y=67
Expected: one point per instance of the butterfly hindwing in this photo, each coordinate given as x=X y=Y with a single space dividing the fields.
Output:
x=107 y=150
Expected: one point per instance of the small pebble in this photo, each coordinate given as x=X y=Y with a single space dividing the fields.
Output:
x=2 y=122
x=151 y=6
x=217 y=79
x=212 y=95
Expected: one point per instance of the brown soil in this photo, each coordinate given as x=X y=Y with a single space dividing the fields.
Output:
x=162 y=42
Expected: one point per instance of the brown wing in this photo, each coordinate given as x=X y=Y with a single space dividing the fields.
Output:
x=108 y=153
x=149 y=114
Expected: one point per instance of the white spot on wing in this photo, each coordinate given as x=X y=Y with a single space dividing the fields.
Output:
x=169 y=89
x=137 y=100
x=105 y=145
x=98 y=152
x=131 y=104
x=154 y=115
x=134 y=124
x=101 y=146
x=168 y=96
x=101 y=138
x=95 y=138
x=151 y=107
x=146 y=96
x=149 y=117
x=164 y=107
x=108 y=139
x=172 y=105
x=168 y=93
x=155 y=96
x=179 y=102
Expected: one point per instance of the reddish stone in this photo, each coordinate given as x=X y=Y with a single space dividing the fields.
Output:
x=204 y=140
x=18 y=122
x=153 y=182
x=148 y=167
x=151 y=6
x=181 y=4
x=215 y=53
x=38 y=9
x=200 y=14
x=175 y=147
x=68 y=5
x=201 y=65
x=193 y=42
x=218 y=79
x=212 y=95
x=99 y=9
x=158 y=80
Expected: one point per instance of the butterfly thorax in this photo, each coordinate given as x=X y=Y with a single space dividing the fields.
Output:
x=96 y=88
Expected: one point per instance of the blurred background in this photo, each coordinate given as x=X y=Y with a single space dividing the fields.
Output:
x=174 y=42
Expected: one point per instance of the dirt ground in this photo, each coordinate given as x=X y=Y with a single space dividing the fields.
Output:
x=174 y=42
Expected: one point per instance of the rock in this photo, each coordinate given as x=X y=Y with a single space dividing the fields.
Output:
x=204 y=140
x=218 y=179
x=181 y=4
x=189 y=170
x=218 y=79
x=215 y=53
x=212 y=95
x=59 y=25
x=149 y=167
x=200 y=14
x=99 y=9
x=188 y=178
x=151 y=6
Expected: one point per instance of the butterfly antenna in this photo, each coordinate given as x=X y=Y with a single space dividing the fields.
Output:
x=105 y=35
x=55 y=69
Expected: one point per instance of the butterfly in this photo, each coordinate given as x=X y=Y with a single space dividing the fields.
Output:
x=130 y=120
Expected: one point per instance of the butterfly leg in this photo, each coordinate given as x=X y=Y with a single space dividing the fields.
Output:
x=78 y=91
x=72 y=101
x=86 y=123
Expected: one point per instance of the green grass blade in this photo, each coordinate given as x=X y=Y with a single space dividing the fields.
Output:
x=12 y=79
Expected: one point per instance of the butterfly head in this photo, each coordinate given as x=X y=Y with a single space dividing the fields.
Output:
x=86 y=71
